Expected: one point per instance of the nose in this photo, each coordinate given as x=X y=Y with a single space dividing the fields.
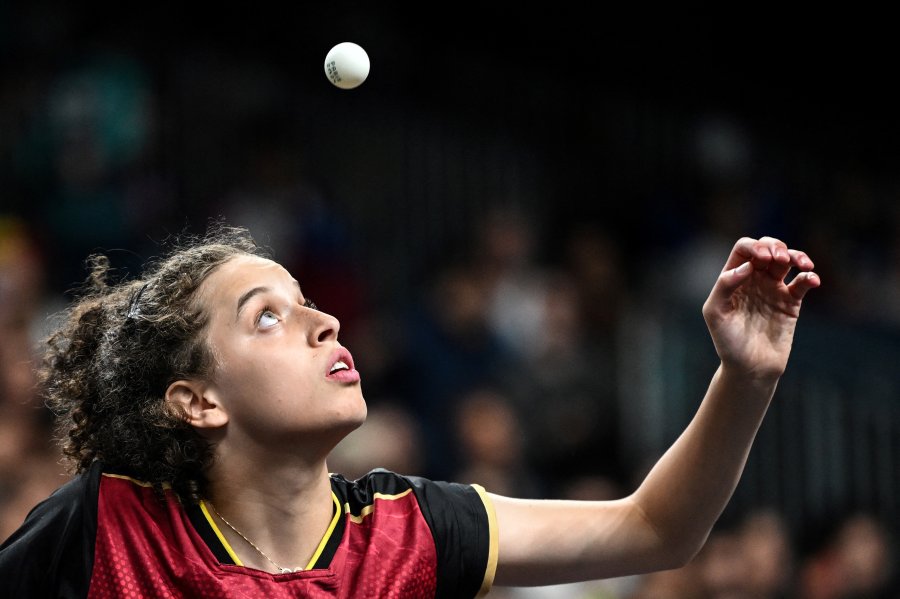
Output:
x=323 y=327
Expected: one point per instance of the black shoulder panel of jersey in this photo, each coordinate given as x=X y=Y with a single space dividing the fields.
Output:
x=458 y=519
x=52 y=553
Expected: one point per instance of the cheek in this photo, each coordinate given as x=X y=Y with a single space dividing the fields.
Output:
x=257 y=381
x=238 y=381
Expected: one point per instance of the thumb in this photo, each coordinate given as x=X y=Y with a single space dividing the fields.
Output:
x=731 y=279
x=719 y=301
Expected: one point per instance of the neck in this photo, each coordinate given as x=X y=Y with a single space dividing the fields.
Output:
x=284 y=509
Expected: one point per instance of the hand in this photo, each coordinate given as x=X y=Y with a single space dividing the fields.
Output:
x=751 y=311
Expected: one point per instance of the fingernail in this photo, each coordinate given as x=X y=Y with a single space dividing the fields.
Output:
x=742 y=269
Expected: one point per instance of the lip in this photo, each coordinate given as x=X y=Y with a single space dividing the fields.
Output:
x=342 y=376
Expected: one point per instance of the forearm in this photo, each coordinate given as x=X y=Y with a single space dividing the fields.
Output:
x=685 y=492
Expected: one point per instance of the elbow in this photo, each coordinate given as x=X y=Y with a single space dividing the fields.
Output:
x=671 y=547
x=668 y=558
x=687 y=554
x=674 y=547
x=679 y=552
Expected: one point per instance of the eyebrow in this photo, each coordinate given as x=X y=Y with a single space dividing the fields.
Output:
x=246 y=297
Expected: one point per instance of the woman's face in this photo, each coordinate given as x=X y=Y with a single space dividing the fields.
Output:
x=280 y=372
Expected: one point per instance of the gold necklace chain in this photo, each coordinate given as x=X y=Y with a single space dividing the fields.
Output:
x=252 y=544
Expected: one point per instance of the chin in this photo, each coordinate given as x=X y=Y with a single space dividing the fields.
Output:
x=362 y=408
x=361 y=416
x=346 y=414
x=355 y=415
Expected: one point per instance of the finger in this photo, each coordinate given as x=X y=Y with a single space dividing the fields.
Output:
x=780 y=264
x=802 y=283
x=746 y=248
x=762 y=253
x=800 y=260
x=777 y=248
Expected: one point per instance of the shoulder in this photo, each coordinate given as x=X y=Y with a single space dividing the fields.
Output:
x=56 y=539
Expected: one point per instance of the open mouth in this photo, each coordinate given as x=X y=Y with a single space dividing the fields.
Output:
x=342 y=369
x=338 y=366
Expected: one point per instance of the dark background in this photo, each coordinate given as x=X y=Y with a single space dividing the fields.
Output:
x=603 y=107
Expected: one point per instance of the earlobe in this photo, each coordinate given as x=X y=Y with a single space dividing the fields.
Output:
x=198 y=403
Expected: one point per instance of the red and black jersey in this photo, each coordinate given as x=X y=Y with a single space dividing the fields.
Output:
x=104 y=535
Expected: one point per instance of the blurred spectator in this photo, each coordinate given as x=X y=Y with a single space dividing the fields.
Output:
x=750 y=560
x=566 y=392
x=22 y=281
x=564 y=386
x=489 y=438
x=29 y=462
x=594 y=262
x=859 y=561
x=768 y=554
x=449 y=351
x=515 y=284
x=724 y=569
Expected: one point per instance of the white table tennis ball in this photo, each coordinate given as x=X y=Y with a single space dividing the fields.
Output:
x=347 y=65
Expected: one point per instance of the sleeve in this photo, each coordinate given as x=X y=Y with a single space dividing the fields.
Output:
x=52 y=553
x=462 y=520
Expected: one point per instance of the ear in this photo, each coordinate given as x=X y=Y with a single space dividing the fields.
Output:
x=198 y=403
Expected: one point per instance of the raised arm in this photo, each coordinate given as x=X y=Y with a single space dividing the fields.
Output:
x=751 y=314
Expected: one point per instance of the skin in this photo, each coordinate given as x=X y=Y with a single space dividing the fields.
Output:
x=275 y=418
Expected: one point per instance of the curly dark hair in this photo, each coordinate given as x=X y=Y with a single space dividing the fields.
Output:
x=106 y=368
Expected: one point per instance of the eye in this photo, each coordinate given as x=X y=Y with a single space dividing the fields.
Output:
x=266 y=318
x=308 y=303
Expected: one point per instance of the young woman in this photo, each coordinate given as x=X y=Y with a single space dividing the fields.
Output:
x=199 y=404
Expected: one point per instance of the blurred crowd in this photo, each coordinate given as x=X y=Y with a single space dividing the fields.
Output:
x=503 y=375
x=503 y=364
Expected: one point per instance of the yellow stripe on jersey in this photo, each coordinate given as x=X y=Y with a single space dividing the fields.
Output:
x=331 y=527
x=491 y=568
x=357 y=519
x=219 y=534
